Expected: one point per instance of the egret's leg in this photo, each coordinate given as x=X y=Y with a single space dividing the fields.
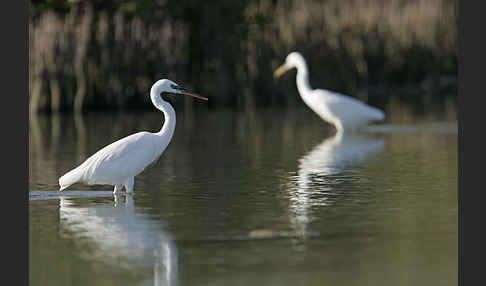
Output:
x=117 y=198
x=129 y=185
x=117 y=188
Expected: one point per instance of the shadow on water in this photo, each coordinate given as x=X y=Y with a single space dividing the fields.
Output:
x=119 y=235
x=319 y=169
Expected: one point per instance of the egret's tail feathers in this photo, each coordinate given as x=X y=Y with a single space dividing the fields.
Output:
x=69 y=178
x=379 y=115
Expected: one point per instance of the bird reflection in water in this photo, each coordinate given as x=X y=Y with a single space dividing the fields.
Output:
x=319 y=170
x=120 y=236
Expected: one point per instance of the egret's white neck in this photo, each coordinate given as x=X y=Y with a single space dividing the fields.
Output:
x=169 y=113
x=303 y=79
x=169 y=119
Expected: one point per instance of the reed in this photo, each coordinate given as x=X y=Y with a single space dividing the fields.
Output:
x=87 y=59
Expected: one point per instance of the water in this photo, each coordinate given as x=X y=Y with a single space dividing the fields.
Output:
x=249 y=198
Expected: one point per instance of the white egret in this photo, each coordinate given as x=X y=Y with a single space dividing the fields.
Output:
x=344 y=112
x=118 y=163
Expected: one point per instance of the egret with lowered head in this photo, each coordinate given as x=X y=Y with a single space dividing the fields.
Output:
x=344 y=112
x=118 y=163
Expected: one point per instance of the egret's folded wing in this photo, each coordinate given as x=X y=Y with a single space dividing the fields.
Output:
x=124 y=158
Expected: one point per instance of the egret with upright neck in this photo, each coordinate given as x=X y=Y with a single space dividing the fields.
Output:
x=344 y=112
x=118 y=163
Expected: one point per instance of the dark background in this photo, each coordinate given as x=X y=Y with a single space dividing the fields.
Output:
x=106 y=54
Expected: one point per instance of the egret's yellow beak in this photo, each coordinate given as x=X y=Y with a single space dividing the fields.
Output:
x=196 y=96
x=280 y=70
x=182 y=90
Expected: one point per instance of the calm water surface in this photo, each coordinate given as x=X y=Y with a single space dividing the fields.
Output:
x=249 y=198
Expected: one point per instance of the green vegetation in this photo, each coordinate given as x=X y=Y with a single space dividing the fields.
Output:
x=106 y=54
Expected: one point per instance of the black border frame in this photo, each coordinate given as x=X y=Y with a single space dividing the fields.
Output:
x=15 y=143
x=471 y=63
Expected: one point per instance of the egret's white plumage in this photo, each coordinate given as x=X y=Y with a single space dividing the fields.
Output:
x=344 y=112
x=118 y=163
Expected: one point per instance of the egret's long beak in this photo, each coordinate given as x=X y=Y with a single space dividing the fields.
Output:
x=184 y=91
x=280 y=70
x=195 y=95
